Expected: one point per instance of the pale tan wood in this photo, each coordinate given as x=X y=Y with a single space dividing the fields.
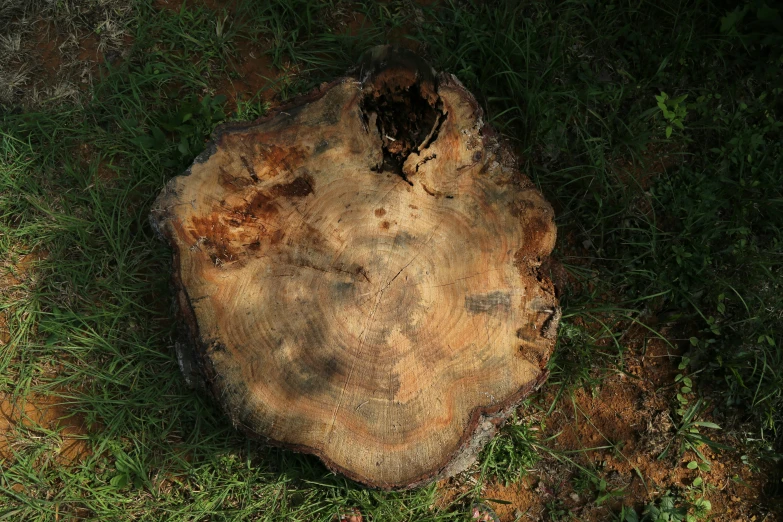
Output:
x=384 y=321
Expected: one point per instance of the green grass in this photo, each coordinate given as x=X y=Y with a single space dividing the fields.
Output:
x=696 y=245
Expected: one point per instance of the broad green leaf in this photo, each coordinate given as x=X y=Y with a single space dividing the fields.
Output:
x=119 y=481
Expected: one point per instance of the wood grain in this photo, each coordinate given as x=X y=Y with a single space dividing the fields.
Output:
x=385 y=313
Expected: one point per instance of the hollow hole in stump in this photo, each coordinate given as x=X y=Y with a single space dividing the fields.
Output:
x=406 y=121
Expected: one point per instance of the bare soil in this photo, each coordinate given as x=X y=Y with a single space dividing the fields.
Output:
x=45 y=416
x=16 y=275
x=619 y=431
x=39 y=414
x=55 y=55
x=255 y=73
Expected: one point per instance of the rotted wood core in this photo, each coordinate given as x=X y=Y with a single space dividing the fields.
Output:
x=405 y=109
x=357 y=274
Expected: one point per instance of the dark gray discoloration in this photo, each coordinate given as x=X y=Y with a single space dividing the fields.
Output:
x=343 y=289
x=313 y=378
x=208 y=151
x=403 y=239
x=488 y=303
x=189 y=366
x=321 y=147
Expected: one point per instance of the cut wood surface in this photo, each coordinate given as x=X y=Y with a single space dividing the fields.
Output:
x=357 y=274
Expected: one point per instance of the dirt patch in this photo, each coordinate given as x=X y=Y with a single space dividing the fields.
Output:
x=5 y=332
x=106 y=170
x=38 y=413
x=16 y=278
x=253 y=72
x=89 y=50
x=171 y=5
x=250 y=70
x=351 y=23
x=48 y=417
x=524 y=502
x=617 y=432
x=55 y=63
x=46 y=45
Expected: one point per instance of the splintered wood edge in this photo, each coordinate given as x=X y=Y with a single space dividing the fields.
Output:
x=191 y=348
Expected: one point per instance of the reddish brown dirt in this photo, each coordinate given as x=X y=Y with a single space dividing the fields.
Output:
x=255 y=71
x=64 y=64
x=251 y=71
x=46 y=48
x=349 y=22
x=618 y=431
x=35 y=413
x=48 y=44
x=15 y=275
x=89 y=51
x=171 y=5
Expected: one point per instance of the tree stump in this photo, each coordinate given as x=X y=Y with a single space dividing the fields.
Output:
x=357 y=274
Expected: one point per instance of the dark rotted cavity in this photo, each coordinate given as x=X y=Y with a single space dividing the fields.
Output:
x=405 y=120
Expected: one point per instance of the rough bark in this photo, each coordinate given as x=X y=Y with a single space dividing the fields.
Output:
x=356 y=274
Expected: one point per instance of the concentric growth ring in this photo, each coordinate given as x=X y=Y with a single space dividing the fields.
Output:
x=351 y=291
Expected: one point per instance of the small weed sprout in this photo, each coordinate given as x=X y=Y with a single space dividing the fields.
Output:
x=673 y=110
x=587 y=483
x=688 y=426
x=250 y=109
x=673 y=506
